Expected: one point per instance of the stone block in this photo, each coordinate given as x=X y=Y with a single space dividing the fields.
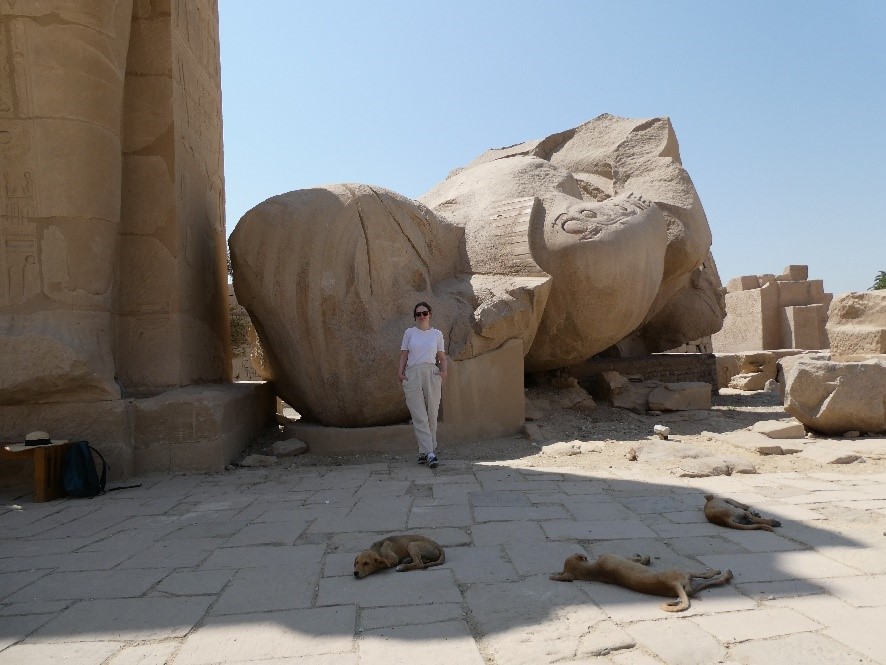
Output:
x=752 y=321
x=780 y=429
x=148 y=276
x=828 y=454
x=801 y=327
x=148 y=111
x=794 y=293
x=743 y=283
x=836 y=397
x=70 y=72
x=80 y=193
x=795 y=273
x=728 y=365
x=205 y=427
x=148 y=196
x=683 y=396
x=748 y=381
x=56 y=356
x=857 y=324
x=104 y=424
x=148 y=352
x=483 y=396
x=150 y=47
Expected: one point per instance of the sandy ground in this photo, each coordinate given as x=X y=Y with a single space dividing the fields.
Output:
x=615 y=432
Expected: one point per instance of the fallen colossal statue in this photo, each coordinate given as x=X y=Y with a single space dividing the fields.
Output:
x=586 y=239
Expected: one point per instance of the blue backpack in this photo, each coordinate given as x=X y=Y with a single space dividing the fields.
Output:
x=79 y=475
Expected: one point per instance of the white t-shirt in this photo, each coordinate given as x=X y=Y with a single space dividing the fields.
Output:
x=422 y=345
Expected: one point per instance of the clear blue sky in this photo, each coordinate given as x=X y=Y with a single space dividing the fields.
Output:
x=779 y=106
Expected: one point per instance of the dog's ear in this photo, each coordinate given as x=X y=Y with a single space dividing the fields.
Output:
x=708 y=497
x=379 y=561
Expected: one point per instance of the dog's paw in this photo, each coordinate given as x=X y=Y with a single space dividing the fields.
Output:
x=406 y=560
x=401 y=568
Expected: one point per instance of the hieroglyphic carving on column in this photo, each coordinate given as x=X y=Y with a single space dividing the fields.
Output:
x=19 y=270
x=19 y=260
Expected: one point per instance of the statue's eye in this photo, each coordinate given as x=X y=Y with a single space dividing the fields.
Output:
x=575 y=226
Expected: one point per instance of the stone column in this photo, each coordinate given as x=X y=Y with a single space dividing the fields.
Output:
x=171 y=298
x=61 y=95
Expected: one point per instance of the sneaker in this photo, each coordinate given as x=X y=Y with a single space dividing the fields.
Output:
x=432 y=460
x=422 y=458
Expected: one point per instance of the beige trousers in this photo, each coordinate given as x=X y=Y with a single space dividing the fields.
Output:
x=422 y=390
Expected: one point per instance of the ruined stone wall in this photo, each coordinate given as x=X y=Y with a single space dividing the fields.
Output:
x=765 y=312
x=666 y=367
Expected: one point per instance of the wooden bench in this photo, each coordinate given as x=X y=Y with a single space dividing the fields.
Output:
x=47 y=466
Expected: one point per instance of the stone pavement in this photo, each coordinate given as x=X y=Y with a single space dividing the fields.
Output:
x=255 y=566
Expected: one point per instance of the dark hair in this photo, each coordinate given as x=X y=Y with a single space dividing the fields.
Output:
x=430 y=311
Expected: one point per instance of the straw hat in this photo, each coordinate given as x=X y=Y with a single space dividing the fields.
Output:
x=40 y=438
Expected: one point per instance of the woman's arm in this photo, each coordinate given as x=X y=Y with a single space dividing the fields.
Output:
x=441 y=363
x=404 y=356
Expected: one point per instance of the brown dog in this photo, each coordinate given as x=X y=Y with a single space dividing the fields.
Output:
x=632 y=574
x=735 y=515
x=410 y=551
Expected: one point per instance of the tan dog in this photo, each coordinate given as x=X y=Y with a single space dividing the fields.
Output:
x=632 y=574
x=735 y=515
x=410 y=551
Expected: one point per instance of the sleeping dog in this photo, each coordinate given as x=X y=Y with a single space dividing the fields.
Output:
x=633 y=574
x=735 y=515
x=407 y=552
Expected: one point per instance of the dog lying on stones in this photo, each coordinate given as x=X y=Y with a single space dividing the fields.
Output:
x=735 y=515
x=632 y=573
x=407 y=552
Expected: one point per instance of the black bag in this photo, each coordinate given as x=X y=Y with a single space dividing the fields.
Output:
x=79 y=475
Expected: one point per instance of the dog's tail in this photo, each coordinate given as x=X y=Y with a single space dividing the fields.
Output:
x=679 y=605
x=442 y=559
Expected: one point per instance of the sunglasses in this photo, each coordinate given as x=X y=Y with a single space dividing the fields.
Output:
x=422 y=313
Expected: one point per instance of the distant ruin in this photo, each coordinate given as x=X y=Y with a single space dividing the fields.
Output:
x=786 y=311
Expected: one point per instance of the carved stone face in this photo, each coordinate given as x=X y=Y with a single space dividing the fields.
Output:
x=606 y=259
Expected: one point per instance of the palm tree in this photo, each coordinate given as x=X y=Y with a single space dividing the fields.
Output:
x=879 y=281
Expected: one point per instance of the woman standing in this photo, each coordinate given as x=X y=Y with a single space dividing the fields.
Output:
x=421 y=372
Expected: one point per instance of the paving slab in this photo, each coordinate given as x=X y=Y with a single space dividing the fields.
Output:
x=756 y=625
x=596 y=529
x=124 y=620
x=800 y=649
x=678 y=642
x=480 y=564
x=441 y=643
x=390 y=588
x=765 y=566
x=270 y=588
x=82 y=653
x=385 y=617
x=266 y=635
x=89 y=585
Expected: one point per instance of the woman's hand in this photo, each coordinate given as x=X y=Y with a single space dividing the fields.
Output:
x=401 y=376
